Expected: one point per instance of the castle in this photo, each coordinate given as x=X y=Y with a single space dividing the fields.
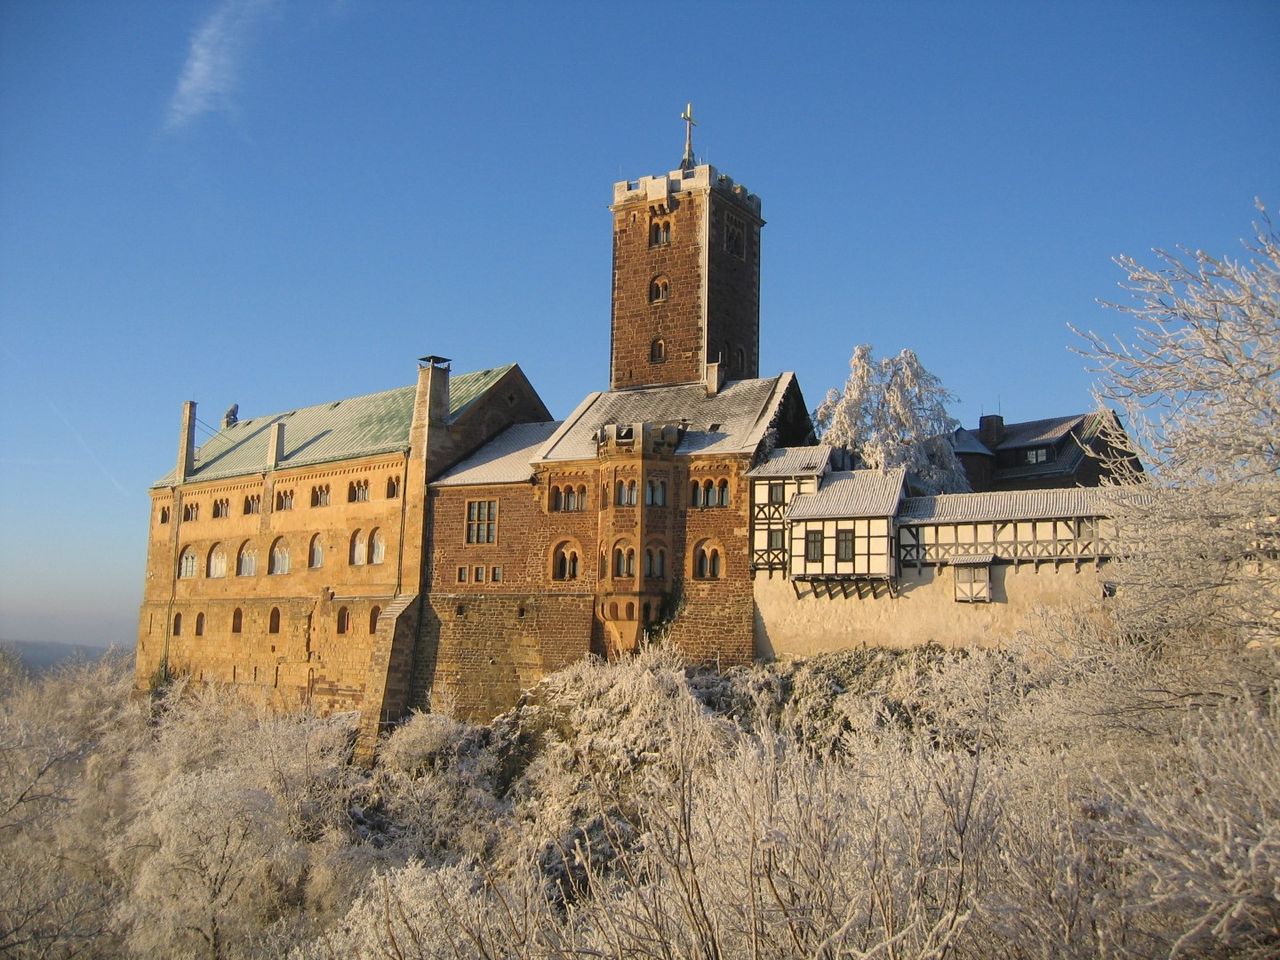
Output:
x=451 y=537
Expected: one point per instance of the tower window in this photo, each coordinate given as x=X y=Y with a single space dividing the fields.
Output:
x=659 y=289
x=660 y=233
x=735 y=236
x=658 y=351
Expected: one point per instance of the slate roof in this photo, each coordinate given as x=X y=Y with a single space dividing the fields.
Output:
x=851 y=493
x=504 y=459
x=732 y=421
x=355 y=427
x=1007 y=505
x=794 y=462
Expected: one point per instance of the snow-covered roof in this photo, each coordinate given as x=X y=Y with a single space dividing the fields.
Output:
x=851 y=493
x=734 y=420
x=1007 y=505
x=504 y=459
x=794 y=462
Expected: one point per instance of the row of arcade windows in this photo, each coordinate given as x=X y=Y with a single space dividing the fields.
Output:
x=709 y=493
x=706 y=562
x=626 y=492
x=569 y=498
x=476 y=574
x=357 y=492
x=343 y=623
x=370 y=548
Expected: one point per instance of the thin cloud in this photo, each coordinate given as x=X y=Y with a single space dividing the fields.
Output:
x=211 y=73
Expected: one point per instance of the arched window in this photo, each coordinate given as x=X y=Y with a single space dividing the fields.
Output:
x=279 y=561
x=622 y=493
x=739 y=360
x=273 y=622
x=284 y=499
x=582 y=497
x=221 y=508
x=619 y=562
x=358 y=491
x=377 y=547
x=164 y=514
x=191 y=511
x=247 y=560
x=706 y=561
x=659 y=289
x=631 y=493
x=187 y=563
x=356 y=557
x=661 y=498
x=344 y=619
x=557 y=499
x=393 y=490
x=177 y=624
x=647 y=614
x=315 y=555
x=658 y=351
x=649 y=565
x=649 y=493
x=374 y=614
x=564 y=561
x=724 y=493
x=237 y=620
x=661 y=569
x=695 y=494
x=200 y=624
x=631 y=563
x=570 y=499
x=709 y=494
x=217 y=564
x=253 y=504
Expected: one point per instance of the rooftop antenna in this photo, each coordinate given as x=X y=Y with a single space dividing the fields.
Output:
x=687 y=162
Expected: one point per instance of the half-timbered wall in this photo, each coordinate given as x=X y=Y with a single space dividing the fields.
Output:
x=769 y=501
x=1071 y=539
x=843 y=549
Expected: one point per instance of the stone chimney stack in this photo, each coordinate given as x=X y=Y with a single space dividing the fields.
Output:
x=715 y=376
x=275 y=452
x=436 y=371
x=991 y=430
x=186 y=443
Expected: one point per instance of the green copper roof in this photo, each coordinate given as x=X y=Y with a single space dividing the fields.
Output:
x=355 y=427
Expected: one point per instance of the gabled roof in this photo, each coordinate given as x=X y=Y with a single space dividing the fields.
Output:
x=355 y=427
x=1007 y=505
x=504 y=459
x=851 y=493
x=732 y=421
x=794 y=462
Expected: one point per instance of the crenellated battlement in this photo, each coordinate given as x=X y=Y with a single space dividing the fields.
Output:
x=657 y=189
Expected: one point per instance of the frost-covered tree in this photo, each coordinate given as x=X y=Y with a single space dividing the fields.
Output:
x=1200 y=385
x=893 y=413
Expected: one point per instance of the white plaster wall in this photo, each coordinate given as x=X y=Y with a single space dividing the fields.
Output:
x=923 y=611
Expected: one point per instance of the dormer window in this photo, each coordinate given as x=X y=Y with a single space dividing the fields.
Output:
x=659 y=290
x=1034 y=455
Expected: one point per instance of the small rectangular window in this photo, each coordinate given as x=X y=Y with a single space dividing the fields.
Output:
x=813 y=546
x=973 y=583
x=844 y=544
x=777 y=493
x=462 y=574
x=777 y=539
x=478 y=575
x=495 y=575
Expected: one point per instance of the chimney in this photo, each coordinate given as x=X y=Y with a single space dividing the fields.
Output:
x=715 y=377
x=186 y=443
x=436 y=373
x=231 y=417
x=991 y=430
x=275 y=452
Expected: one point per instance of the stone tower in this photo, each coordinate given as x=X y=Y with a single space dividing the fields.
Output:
x=686 y=278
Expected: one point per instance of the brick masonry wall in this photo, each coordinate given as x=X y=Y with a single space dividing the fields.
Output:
x=678 y=320
x=733 y=291
x=478 y=651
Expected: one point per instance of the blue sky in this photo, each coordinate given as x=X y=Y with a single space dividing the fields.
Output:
x=279 y=202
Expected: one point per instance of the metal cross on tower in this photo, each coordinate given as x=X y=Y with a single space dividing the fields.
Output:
x=688 y=162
